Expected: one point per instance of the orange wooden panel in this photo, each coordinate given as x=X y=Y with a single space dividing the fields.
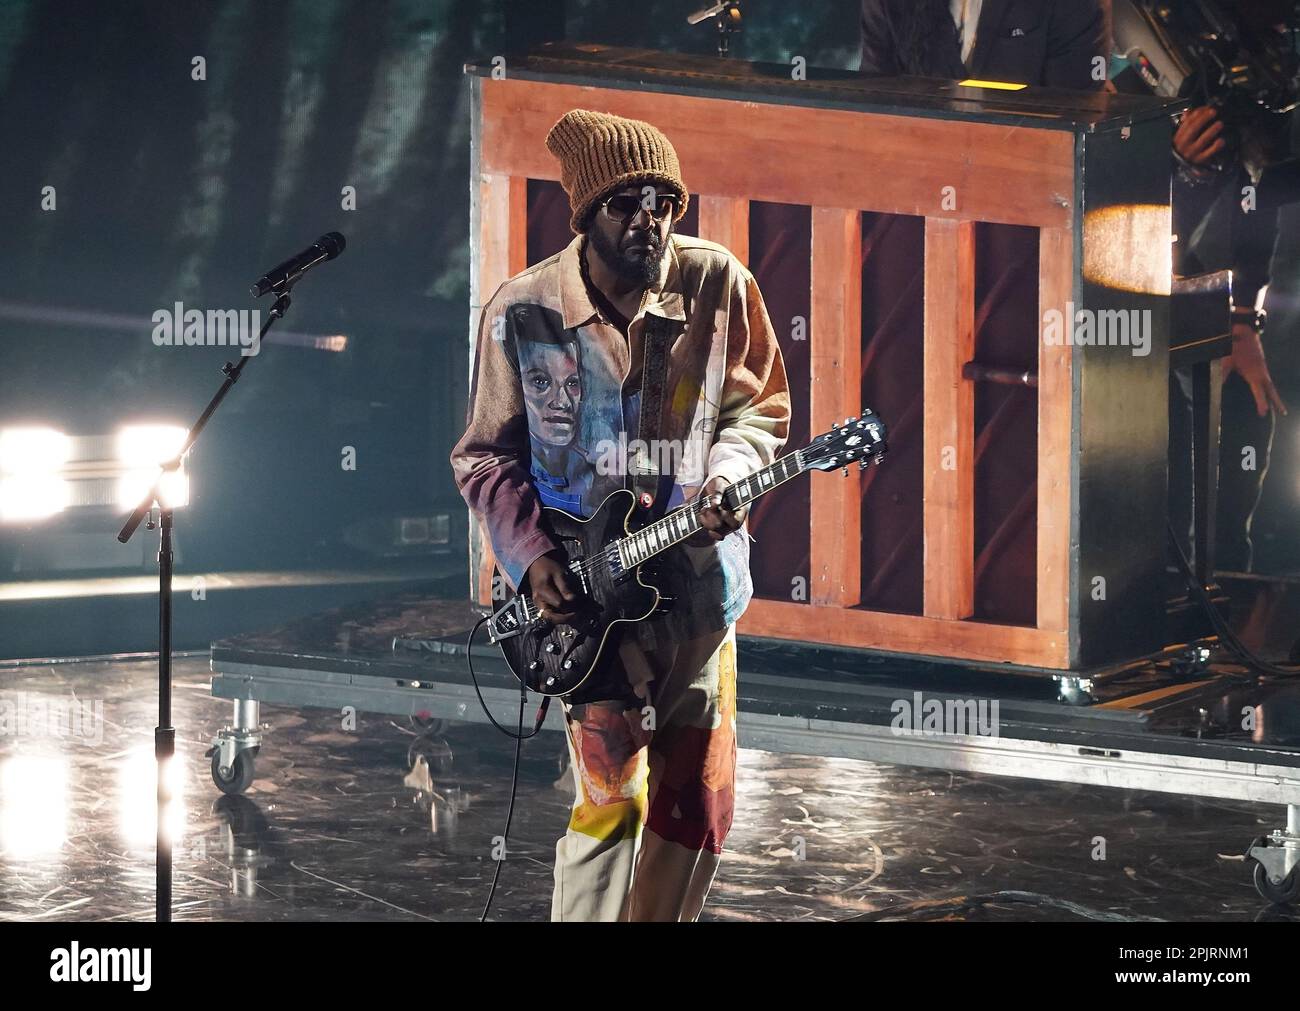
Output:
x=949 y=495
x=797 y=155
x=905 y=633
x=725 y=220
x=730 y=152
x=1055 y=413
x=835 y=365
x=503 y=232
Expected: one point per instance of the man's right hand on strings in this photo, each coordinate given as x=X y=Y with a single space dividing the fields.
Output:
x=552 y=589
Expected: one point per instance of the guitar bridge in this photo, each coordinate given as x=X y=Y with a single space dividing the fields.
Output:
x=512 y=619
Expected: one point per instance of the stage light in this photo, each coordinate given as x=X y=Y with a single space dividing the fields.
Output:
x=30 y=461
x=132 y=486
x=25 y=451
x=138 y=797
x=1127 y=247
x=142 y=448
x=32 y=496
x=33 y=806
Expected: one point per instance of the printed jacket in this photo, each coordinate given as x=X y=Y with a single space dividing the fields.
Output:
x=554 y=409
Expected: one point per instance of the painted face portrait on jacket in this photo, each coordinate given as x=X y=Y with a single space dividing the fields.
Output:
x=552 y=384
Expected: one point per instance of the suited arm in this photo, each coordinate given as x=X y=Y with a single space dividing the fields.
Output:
x=1076 y=36
x=877 y=37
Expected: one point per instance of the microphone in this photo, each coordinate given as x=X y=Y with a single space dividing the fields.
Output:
x=278 y=278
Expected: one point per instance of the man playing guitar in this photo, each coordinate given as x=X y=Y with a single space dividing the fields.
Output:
x=554 y=420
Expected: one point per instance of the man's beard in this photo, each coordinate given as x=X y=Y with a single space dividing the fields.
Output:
x=637 y=268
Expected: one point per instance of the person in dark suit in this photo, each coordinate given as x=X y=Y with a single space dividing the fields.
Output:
x=1054 y=43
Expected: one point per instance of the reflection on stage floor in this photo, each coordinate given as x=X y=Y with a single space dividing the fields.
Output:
x=394 y=820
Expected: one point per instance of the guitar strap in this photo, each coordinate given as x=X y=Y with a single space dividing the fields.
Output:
x=651 y=487
x=646 y=482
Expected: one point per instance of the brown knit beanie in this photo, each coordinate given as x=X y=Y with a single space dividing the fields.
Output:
x=599 y=153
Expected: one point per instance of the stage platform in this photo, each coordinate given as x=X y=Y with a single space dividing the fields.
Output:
x=1208 y=730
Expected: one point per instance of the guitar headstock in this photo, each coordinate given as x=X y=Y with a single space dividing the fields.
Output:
x=857 y=440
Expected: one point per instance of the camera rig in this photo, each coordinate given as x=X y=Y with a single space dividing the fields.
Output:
x=1238 y=56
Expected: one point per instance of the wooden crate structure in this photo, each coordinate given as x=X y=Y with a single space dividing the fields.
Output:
x=1089 y=173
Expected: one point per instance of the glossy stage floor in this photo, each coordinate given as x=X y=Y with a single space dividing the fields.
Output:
x=392 y=817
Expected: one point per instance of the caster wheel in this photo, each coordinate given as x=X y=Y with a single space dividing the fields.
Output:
x=436 y=751
x=442 y=762
x=238 y=777
x=1282 y=893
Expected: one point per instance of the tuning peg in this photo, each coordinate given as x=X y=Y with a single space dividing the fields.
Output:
x=849 y=421
x=846 y=471
x=835 y=424
x=862 y=464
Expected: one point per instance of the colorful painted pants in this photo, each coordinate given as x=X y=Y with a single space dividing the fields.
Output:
x=654 y=787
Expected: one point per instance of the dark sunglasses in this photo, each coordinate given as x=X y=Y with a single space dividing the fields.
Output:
x=623 y=207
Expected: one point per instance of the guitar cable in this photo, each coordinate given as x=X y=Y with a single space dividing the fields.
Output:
x=523 y=688
x=519 y=739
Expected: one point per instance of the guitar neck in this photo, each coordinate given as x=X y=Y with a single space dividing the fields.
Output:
x=680 y=524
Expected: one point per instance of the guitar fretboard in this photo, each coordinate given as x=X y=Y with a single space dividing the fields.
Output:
x=682 y=523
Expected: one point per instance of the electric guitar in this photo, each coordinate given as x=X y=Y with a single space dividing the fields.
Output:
x=607 y=554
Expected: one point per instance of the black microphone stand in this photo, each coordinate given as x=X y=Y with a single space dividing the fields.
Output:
x=164 y=735
x=726 y=18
